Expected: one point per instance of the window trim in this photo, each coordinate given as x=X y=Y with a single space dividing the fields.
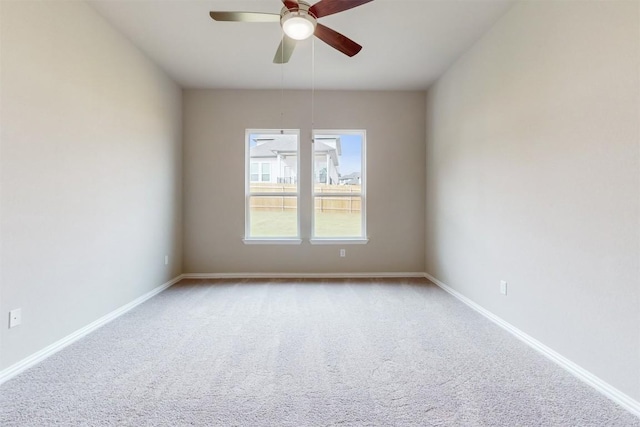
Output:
x=363 y=238
x=271 y=241
x=341 y=241
x=296 y=240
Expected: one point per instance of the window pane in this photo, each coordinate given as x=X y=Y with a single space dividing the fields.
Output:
x=338 y=216
x=337 y=162
x=273 y=216
x=338 y=184
x=276 y=157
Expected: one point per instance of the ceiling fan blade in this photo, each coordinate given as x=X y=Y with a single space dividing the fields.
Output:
x=337 y=40
x=290 y=4
x=329 y=7
x=284 y=50
x=245 y=16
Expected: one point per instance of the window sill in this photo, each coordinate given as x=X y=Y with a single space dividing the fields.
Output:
x=272 y=241
x=357 y=241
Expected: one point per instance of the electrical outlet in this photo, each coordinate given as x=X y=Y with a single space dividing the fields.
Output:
x=166 y=260
x=343 y=253
x=503 y=287
x=15 y=317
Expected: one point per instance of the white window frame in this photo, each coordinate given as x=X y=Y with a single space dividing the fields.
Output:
x=363 y=238
x=248 y=194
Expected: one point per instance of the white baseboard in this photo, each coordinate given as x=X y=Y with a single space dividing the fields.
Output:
x=603 y=387
x=24 y=364
x=298 y=275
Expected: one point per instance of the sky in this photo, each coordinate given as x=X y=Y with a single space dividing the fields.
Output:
x=350 y=161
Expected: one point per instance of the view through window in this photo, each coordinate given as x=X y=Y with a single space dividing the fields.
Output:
x=339 y=185
x=273 y=193
x=272 y=185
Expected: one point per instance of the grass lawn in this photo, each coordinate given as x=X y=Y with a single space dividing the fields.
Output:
x=283 y=224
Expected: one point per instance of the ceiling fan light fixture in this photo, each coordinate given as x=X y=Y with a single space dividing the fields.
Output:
x=299 y=21
x=298 y=25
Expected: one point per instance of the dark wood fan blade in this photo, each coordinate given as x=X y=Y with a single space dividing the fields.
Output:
x=245 y=16
x=337 y=40
x=329 y=7
x=290 y=4
x=287 y=45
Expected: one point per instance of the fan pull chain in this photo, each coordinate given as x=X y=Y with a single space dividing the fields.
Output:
x=313 y=86
x=282 y=85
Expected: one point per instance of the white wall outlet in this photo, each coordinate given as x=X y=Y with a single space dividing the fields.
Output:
x=503 y=287
x=15 y=317
x=166 y=260
x=343 y=253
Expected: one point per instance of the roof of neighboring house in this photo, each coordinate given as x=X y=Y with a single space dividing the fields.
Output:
x=352 y=175
x=352 y=178
x=332 y=142
x=272 y=145
x=321 y=147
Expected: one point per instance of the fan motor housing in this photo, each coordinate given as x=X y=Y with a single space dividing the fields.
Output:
x=302 y=7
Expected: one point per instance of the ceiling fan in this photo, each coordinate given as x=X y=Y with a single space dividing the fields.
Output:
x=299 y=21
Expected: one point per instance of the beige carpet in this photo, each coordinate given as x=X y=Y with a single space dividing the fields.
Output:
x=302 y=353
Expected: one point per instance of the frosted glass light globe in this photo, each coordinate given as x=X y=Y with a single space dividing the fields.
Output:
x=298 y=26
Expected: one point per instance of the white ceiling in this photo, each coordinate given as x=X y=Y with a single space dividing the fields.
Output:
x=407 y=44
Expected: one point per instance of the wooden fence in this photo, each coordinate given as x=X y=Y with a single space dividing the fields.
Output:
x=346 y=203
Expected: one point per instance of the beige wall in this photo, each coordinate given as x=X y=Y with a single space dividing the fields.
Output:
x=90 y=172
x=532 y=177
x=214 y=129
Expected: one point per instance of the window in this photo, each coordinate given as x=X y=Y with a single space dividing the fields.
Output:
x=266 y=172
x=255 y=176
x=339 y=186
x=271 y=186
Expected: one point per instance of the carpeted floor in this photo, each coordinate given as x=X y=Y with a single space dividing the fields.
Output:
x=397 y=352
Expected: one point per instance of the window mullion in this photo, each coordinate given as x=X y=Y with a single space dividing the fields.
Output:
x=273 y=194
x=337 y=194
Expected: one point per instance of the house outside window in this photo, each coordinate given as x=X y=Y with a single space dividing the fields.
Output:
x=271 y=186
